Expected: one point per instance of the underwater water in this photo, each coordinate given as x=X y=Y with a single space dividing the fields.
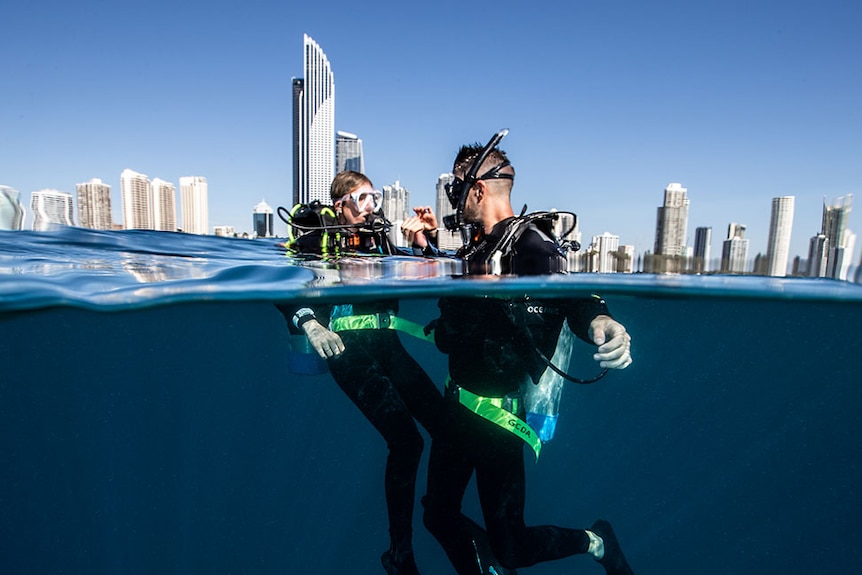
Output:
x=150 y=421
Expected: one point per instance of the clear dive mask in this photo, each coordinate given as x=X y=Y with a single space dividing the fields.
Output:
x=367 y=201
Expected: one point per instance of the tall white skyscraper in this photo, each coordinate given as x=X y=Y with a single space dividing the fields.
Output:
x=606 y=246
x=51 y=208
x=396 y=203
x=780 y=229
x=195 y=205
x=672 y=222
x=348 y=153
x=313 y=126
x=702 y=243
x=11 y=210
x=164 y=205
x=137 y=201
x=94 y=205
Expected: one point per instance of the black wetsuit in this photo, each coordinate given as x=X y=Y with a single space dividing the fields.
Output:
x=386 y=384
x=490 y=354
x=390 y=389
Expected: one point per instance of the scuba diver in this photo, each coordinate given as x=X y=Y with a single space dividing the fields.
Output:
x=365 y=356
x=498 y=347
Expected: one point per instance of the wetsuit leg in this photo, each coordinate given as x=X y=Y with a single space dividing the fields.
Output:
x=450 y=468
x=501 y=484
x=498 y=459
x=421 y=395
x=361 y=376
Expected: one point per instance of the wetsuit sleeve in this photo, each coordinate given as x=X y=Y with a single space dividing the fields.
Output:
x=537 y=254
x=580 y=312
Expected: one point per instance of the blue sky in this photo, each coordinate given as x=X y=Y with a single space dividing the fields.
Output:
x=606 y=101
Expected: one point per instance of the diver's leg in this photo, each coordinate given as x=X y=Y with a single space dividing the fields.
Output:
x=359 y=375
x=422 y=397
x=450 y=467
x=500 y=479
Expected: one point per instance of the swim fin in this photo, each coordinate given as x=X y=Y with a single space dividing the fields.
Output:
x=613 y=560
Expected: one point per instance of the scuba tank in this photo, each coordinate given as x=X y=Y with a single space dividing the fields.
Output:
x=542 y=399
x=302 y=359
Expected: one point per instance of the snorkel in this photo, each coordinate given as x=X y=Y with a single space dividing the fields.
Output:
x=457 y=191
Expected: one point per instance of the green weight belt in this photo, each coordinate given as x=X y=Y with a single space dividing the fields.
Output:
x=381 y=320
x=492 y=409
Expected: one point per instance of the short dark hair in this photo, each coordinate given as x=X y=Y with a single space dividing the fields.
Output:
x=345 y=182
x=468 y=154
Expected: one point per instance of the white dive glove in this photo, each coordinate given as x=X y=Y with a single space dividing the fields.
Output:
x=326 y=343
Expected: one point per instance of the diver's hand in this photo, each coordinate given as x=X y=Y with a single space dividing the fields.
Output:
x=326 y=343
x=614 y=342
x=426 y=214
x=413 y=229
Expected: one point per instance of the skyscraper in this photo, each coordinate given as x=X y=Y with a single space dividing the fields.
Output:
x=672 y=222
x=734 y=250
x=94 y=205
x=702 y=243
x=839 y=239
x=137 y=201
x=51 y=208
x=396 y=202
x=780 y=228
x=313 y=126
x=262 y=220
x=164 y=205
x=606 y=247
x=348 y=153
x=11 y=210
x=195 y=205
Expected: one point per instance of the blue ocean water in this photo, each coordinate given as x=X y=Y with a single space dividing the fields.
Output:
x=150 y=421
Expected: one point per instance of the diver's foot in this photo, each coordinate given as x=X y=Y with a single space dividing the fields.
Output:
x=613 y=560
x=402 y=564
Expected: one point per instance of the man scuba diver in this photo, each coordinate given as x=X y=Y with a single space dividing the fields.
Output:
x=365 y=356
x=496 y=347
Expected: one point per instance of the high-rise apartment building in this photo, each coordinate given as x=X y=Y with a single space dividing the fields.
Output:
x=348 y=153
x=11 y=210
x=137 y=201
x=835 y=247
x=606 y=247
x=780 y=229
x=734 y=250
x=702 y=243
x=672 y=222
x=94 y=205
x=396 y=203
x=51 y=208
x=195 y=205
x=313 y=126
x=262 y=221
x=164 y=205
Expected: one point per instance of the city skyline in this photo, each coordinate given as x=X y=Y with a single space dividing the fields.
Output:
x=607 y=103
